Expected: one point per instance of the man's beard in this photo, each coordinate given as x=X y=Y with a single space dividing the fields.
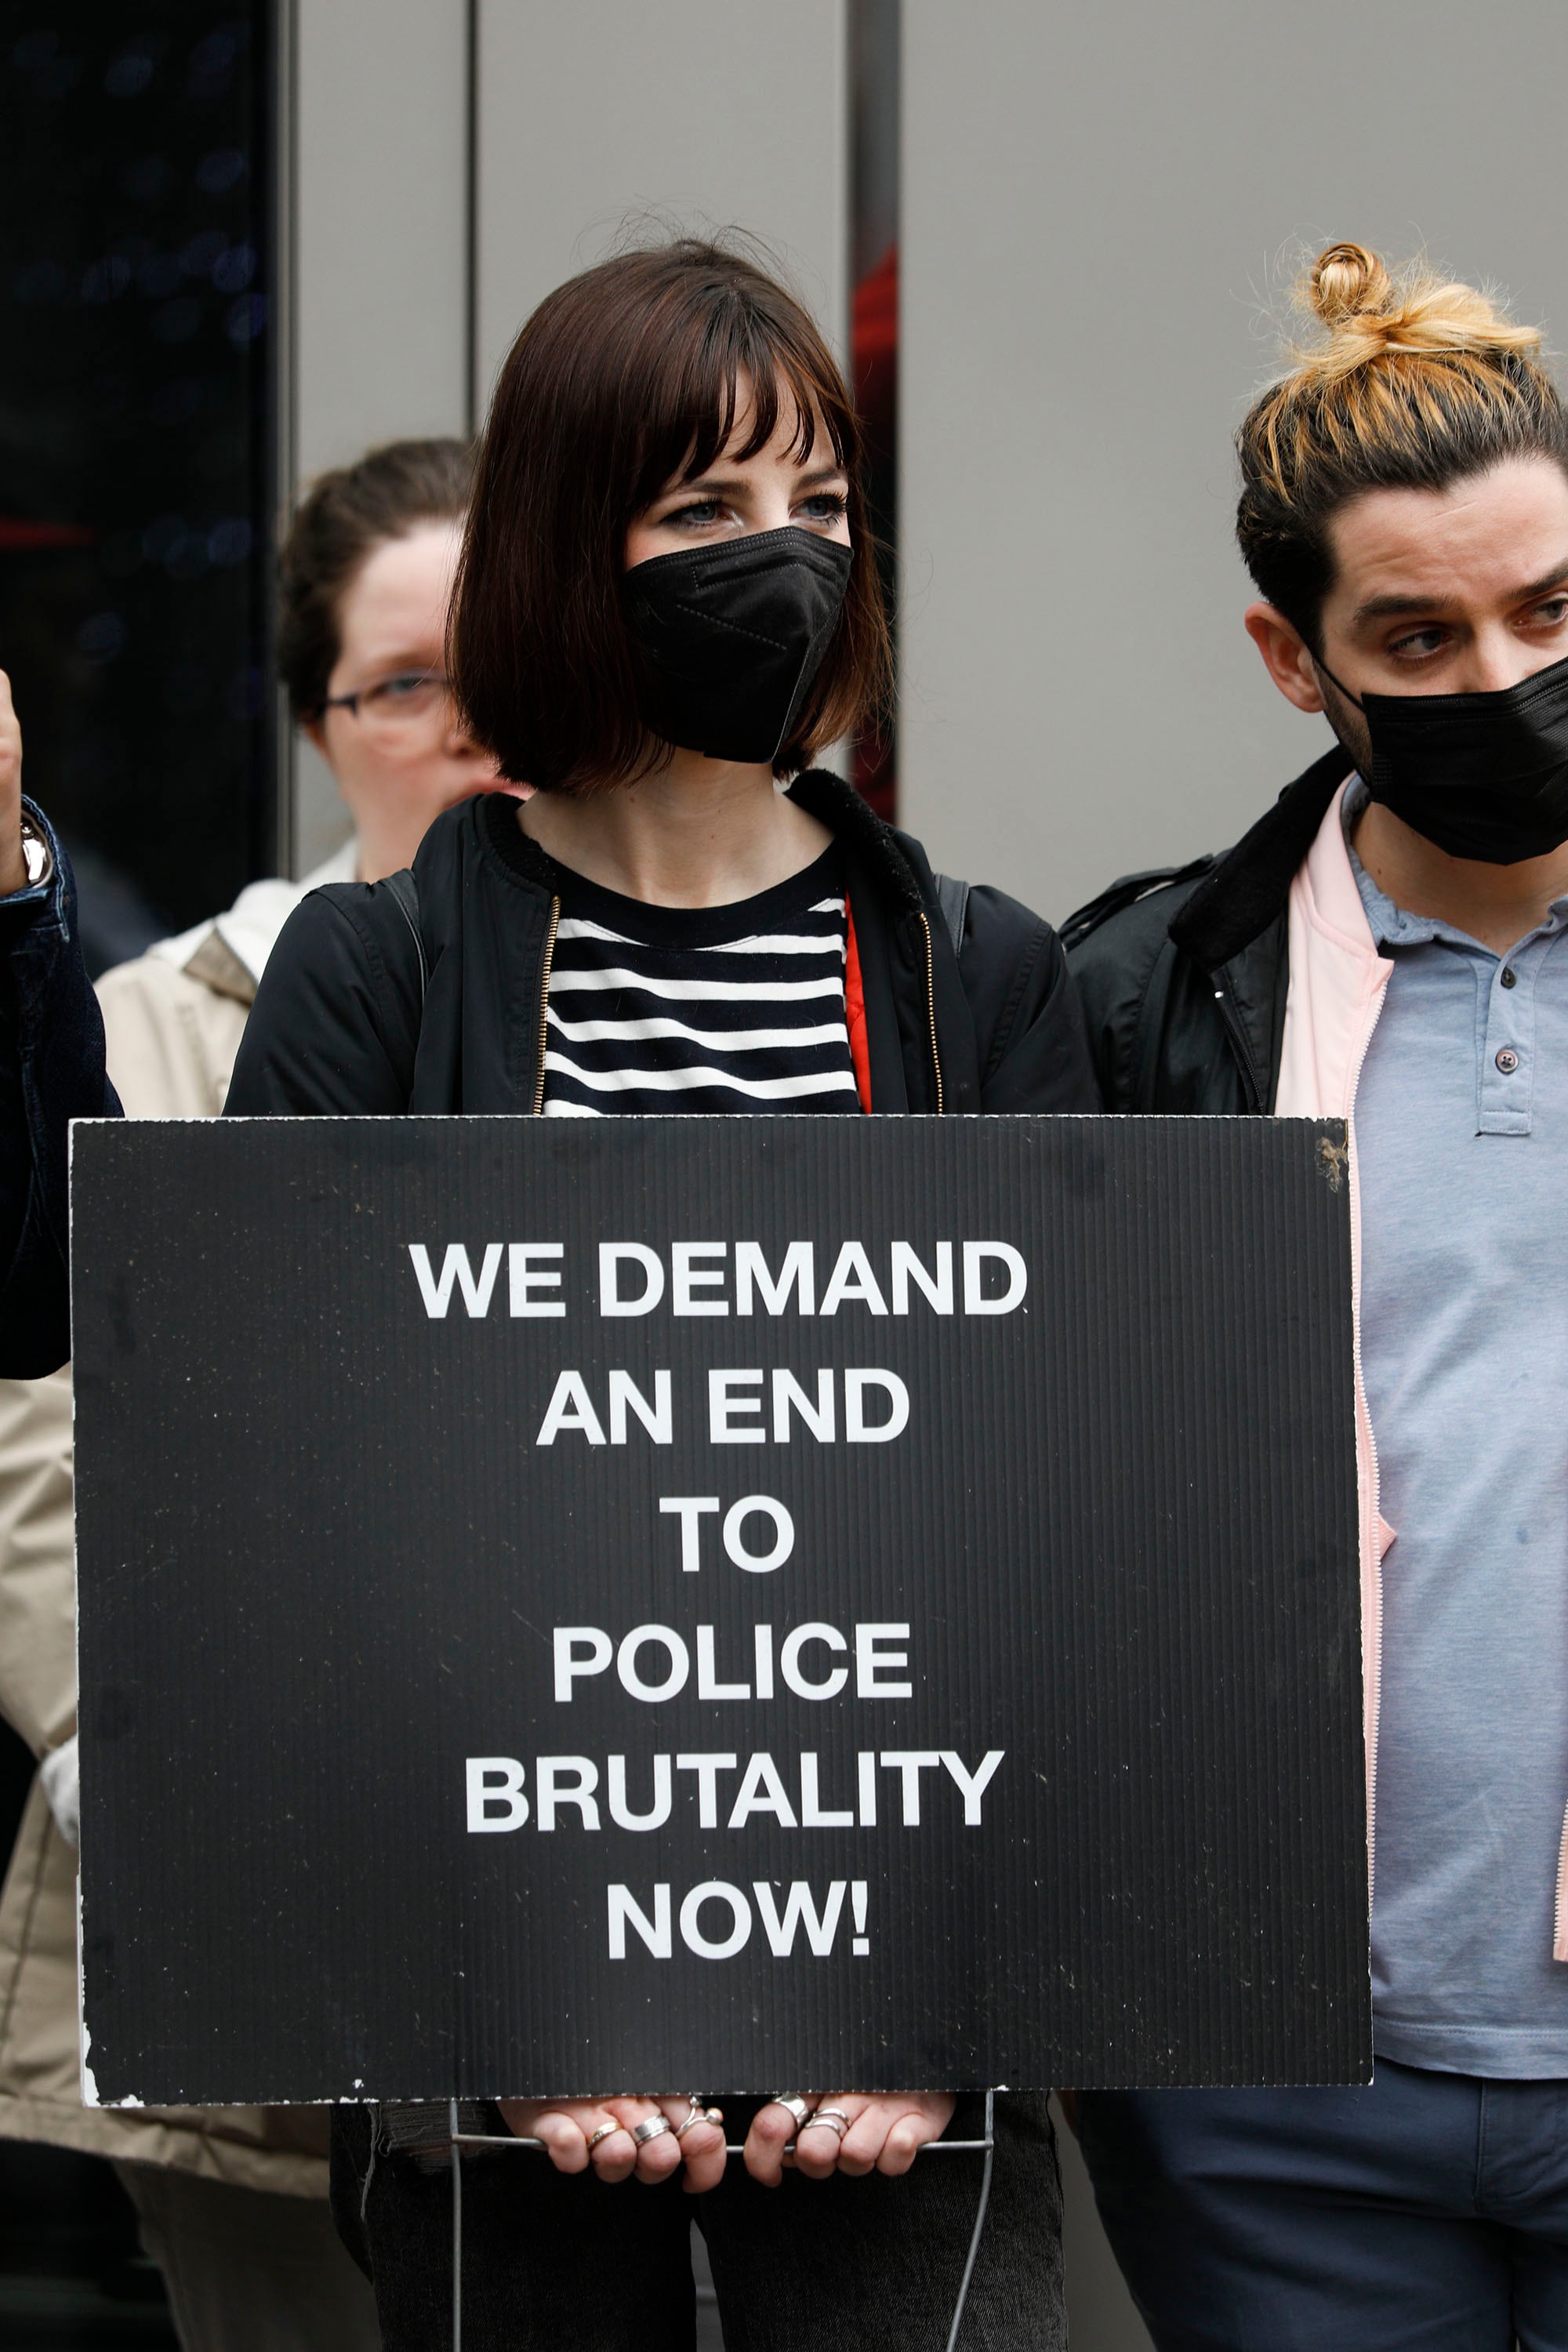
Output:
x=1348 y=723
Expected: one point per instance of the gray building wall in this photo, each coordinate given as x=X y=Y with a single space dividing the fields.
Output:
x=1098 y=203
x=380 y=237
x=603 y=116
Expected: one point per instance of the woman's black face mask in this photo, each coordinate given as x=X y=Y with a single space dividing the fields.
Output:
x=735 y=632
x=1478 y=775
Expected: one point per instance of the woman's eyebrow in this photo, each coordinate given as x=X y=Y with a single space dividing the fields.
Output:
x=717 y=485
x=722 y=485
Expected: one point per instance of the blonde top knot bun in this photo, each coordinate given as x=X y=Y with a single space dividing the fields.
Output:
x=1346 y=281
x=1373 y=314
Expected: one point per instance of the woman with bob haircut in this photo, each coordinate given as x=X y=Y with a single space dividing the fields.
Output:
x=667 y=607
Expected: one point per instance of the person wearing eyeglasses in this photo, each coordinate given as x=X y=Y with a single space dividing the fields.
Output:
x=364 y=578
x=232 y=2202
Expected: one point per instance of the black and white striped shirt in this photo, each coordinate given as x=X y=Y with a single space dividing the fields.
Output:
x=734 y=1008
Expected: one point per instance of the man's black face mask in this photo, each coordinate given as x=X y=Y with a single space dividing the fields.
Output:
x=1478 y=775
x=735 y=632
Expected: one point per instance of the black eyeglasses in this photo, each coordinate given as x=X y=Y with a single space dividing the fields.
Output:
x=396 y=702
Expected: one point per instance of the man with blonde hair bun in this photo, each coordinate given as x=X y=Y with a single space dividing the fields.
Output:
x=1387 y=946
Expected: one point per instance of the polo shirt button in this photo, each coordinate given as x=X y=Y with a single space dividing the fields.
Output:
x=1506 y=1060
x=1509 y=977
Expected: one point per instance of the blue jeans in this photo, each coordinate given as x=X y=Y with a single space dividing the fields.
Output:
x=1426 y=2214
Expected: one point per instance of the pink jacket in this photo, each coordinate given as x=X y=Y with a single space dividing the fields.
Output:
x=1336 y=992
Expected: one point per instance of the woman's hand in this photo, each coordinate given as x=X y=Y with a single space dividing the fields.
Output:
x=13 y=866
x=882 y=2134
x=567 y=2127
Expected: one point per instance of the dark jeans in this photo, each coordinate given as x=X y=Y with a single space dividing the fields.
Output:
x=867 y=2265
x=1426 y=2214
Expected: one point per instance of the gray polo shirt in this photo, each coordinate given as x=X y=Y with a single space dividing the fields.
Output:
x=1461 y=1126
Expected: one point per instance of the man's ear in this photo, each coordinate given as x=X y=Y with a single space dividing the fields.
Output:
x=314 y=732
x=1286 y=656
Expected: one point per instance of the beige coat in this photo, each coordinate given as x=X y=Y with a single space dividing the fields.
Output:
x=173 y=1020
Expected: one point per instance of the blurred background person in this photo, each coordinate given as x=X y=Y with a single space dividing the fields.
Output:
x=364 y=577
x=231 y=2201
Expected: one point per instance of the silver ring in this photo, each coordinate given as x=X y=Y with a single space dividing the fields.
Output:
x=837 y=2121
x=799 y=2108
x=698 y=2114
x=653 y=2127
x=606 y=2131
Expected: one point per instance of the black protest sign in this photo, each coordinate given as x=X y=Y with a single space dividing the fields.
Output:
x=577 y=1605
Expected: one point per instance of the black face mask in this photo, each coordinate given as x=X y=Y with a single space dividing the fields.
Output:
x=1478 y=775
x=735 y=632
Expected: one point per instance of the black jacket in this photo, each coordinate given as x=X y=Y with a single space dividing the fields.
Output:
x=340 y=1026
x=1183 y=974
x=51 y=1071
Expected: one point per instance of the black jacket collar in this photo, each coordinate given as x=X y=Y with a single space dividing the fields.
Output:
x=889 y=882
x=882 y=852
x=1247 y=889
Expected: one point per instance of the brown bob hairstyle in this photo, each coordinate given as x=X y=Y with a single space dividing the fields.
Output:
x=625 y=380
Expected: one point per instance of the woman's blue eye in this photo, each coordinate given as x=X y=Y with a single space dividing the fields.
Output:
x=826 y=505
x=702 y=510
